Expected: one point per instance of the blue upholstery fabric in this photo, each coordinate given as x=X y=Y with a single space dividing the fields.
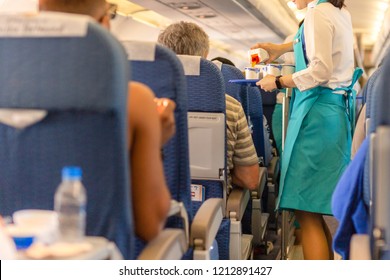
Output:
x=82 y=83
x=213 y=189
x=381 y=117
x=176 y=155
x=382 y=100
x=348 y=206
x=173 y=86
x=370 y=91
x=253 y=106
x=232 y=73
x=206 y=93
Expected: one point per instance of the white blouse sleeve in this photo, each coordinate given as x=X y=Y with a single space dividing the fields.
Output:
x=318 y=38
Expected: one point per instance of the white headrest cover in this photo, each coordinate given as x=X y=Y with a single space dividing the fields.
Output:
x=218 y=64
x=141 y=51
x=191 y=64
x=45 y=24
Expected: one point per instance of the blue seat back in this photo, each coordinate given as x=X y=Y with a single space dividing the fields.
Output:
x=380 y=217
x=369 y=91
x=82 y=83
x=171 y=84
x=269 y=103
x=232 y=73
x=149 y=61
x=253 y=106
x=206 y=93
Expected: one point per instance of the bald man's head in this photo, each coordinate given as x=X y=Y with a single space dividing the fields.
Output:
x=93 y=8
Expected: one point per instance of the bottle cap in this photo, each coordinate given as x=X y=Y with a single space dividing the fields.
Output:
x=71 y=172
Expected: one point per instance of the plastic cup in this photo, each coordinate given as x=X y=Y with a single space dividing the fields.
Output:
x=252 y=73
x=272 y=69
x=287 y=69
x=44 y=223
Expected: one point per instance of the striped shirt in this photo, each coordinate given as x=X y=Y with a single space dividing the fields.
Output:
x=240 y=148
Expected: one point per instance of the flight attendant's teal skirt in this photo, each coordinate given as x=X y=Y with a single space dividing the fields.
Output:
x=319 y=157
x=318 y=143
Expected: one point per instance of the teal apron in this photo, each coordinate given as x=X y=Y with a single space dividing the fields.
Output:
x=318 y=142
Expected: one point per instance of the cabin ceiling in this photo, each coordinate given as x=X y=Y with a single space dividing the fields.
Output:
x=235 y=25
x=238 y=24
x=225 y=21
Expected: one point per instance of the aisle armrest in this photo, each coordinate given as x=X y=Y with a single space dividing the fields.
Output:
x=258 y=192
x=170 y=244
x=360 y=247
x=178 y=209
x=206 y=223
x=237 y=202
x=273 y=169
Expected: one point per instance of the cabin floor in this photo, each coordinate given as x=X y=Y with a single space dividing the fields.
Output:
x=274 y=243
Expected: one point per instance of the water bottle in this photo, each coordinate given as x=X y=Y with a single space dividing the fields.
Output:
x=70 y=204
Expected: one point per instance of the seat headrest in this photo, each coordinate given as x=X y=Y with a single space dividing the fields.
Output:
x=45 y=24
x=56 y=61
x=191 y=64
x=218 y=64
x=140 y=51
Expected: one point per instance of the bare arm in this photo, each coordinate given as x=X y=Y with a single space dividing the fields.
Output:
x=268 y=82
x=150 y=195
x=274 y=50
x=246 y=176
x=245 y=172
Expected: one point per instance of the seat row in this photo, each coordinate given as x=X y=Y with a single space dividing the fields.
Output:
x=78 y=74
x=365 y=219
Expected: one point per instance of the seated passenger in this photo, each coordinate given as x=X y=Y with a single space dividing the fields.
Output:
x=223 y=60
x=150 y=126
x=243 y=170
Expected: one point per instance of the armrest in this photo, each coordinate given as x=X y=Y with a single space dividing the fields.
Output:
x=360 y=247
x=170 y=244
x=206 y=223
x=178 y=209
x=262 y=181
x=273 y=169
x=237 y=202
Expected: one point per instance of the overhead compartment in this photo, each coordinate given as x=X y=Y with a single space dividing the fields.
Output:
x=382 y=43
x=274 y=13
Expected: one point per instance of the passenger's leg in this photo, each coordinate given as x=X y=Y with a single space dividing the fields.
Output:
x=328 y=239
x=314 y=240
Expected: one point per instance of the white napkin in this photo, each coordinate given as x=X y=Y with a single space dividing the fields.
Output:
x=57 y=250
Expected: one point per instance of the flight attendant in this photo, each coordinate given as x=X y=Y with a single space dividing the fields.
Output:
x=318 y=141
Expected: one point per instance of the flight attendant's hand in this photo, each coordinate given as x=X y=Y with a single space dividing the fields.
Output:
x=274 y=50
x=165 y=109
x=267 y=83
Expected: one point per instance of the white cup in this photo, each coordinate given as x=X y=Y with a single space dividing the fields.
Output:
x=252 y=73
x=43 y=222
x=287 y=69
x=272 y=69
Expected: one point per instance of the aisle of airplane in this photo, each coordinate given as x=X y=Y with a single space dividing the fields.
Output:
x=206 y=219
